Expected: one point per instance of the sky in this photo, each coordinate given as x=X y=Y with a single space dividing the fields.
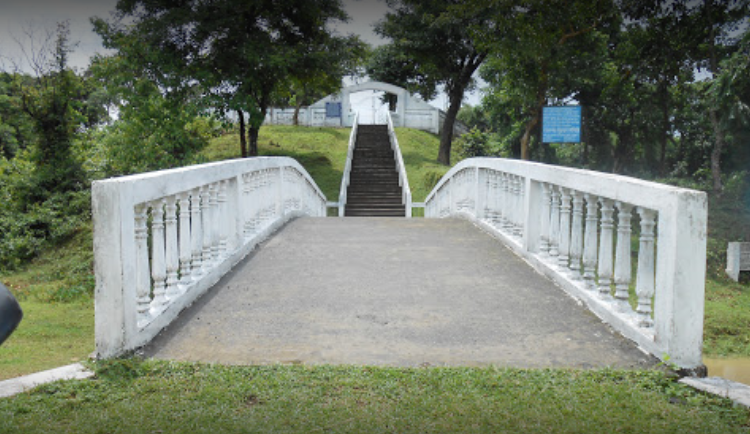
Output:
x=17 y=16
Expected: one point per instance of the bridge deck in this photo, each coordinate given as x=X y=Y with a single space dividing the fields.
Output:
x=403 y=292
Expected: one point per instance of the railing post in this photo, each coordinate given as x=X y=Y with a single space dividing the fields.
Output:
x=681 y=276
x=622 y=256
x=605 y=249
x=196 y=233
x=554 y=231
x=114 y=222
x=564 y=247
x=644 y=286
x=576 y=235
x=143 y=269
x=533 y=223
x=158 y=263
x=590 y=241
x=185 y=244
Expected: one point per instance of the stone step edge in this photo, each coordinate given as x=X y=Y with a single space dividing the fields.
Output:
x=737 y=392
x=18 y=385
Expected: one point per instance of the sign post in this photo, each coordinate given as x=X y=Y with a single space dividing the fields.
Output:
x=561 y=124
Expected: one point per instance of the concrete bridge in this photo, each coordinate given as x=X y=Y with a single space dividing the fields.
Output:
x=235 y=262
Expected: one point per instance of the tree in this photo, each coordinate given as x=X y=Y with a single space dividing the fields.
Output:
x=327 y=66
x=539 y=51
x=719 y=20
x=431 y=46
x=52 y=101
x=239 y=53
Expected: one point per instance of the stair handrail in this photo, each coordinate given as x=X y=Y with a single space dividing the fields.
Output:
x=345 y=178
x=403 y=179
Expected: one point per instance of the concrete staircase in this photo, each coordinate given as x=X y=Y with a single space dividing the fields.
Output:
x=374 y=189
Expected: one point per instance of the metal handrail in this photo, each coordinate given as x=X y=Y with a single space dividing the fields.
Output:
x=348 y=166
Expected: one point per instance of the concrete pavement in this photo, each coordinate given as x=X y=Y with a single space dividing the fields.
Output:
x=395 y=292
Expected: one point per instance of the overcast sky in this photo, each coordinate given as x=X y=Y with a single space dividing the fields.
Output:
x=16 y=16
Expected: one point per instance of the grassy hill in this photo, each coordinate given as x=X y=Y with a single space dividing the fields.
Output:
x=322 y=151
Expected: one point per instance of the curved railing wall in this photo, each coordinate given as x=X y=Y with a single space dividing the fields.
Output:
x=162 y=239
x=403 y=179
x=346 y=178
x=578 y=228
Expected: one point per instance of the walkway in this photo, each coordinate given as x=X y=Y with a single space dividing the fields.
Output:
x=399 y=292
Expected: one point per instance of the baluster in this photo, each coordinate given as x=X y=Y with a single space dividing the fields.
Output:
x=605 y=248
x=520 y=196
x=215 y=220
x=158 y=264
x=554 y=229
x=544 y=236
x=497 y=211
x=590 y=241
x=196 y=232
x=224 y=218
x=502 y=202
x=172 y=252
x=564 y=247
x=487 y=216
x=622 y=255
x=143 y=273
x=185 y=244
x=576 y=235
x=207 y=222
x=510 y=203
x=644 y=284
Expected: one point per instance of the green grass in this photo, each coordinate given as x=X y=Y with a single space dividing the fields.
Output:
x=55 y=292
x=50 y=335
x=420 y=149
x=727 y=320
x=129 y=396
x=321 y=151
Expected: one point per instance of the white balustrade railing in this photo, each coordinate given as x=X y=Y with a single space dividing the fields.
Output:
x=403 y=180
x=162 y=239
x=576 y=226
x=346 y=178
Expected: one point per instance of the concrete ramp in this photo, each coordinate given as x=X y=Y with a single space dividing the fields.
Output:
x=396 y=292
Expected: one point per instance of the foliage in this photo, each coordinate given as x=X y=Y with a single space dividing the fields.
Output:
x=239 y=55
x=214 y=398
x=43 y=184
x=473 y=144
x=431 y=46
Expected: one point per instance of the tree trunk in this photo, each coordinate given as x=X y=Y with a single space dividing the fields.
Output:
x=716 y=152
x=527 y=137
x=243 y=140
x=253 y=133
x=446 y=136
x=666 y=130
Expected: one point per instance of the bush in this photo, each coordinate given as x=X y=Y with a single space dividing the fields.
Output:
x=473 y=144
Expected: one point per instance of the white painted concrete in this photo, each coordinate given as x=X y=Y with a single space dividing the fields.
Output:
x=152 y=261
x=737 y=392
x=538 y=210
x=738 y=259
x=18 y=385
x=346 y=176
x=411 y=111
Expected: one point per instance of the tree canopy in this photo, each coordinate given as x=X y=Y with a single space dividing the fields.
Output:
x=238 y=55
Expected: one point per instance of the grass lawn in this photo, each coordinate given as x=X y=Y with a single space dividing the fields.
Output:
x=130 y=396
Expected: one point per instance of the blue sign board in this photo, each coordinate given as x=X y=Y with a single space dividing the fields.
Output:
x=561 y=124
x=333 y=109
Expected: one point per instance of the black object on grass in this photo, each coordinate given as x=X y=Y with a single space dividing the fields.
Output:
x=10 y=313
